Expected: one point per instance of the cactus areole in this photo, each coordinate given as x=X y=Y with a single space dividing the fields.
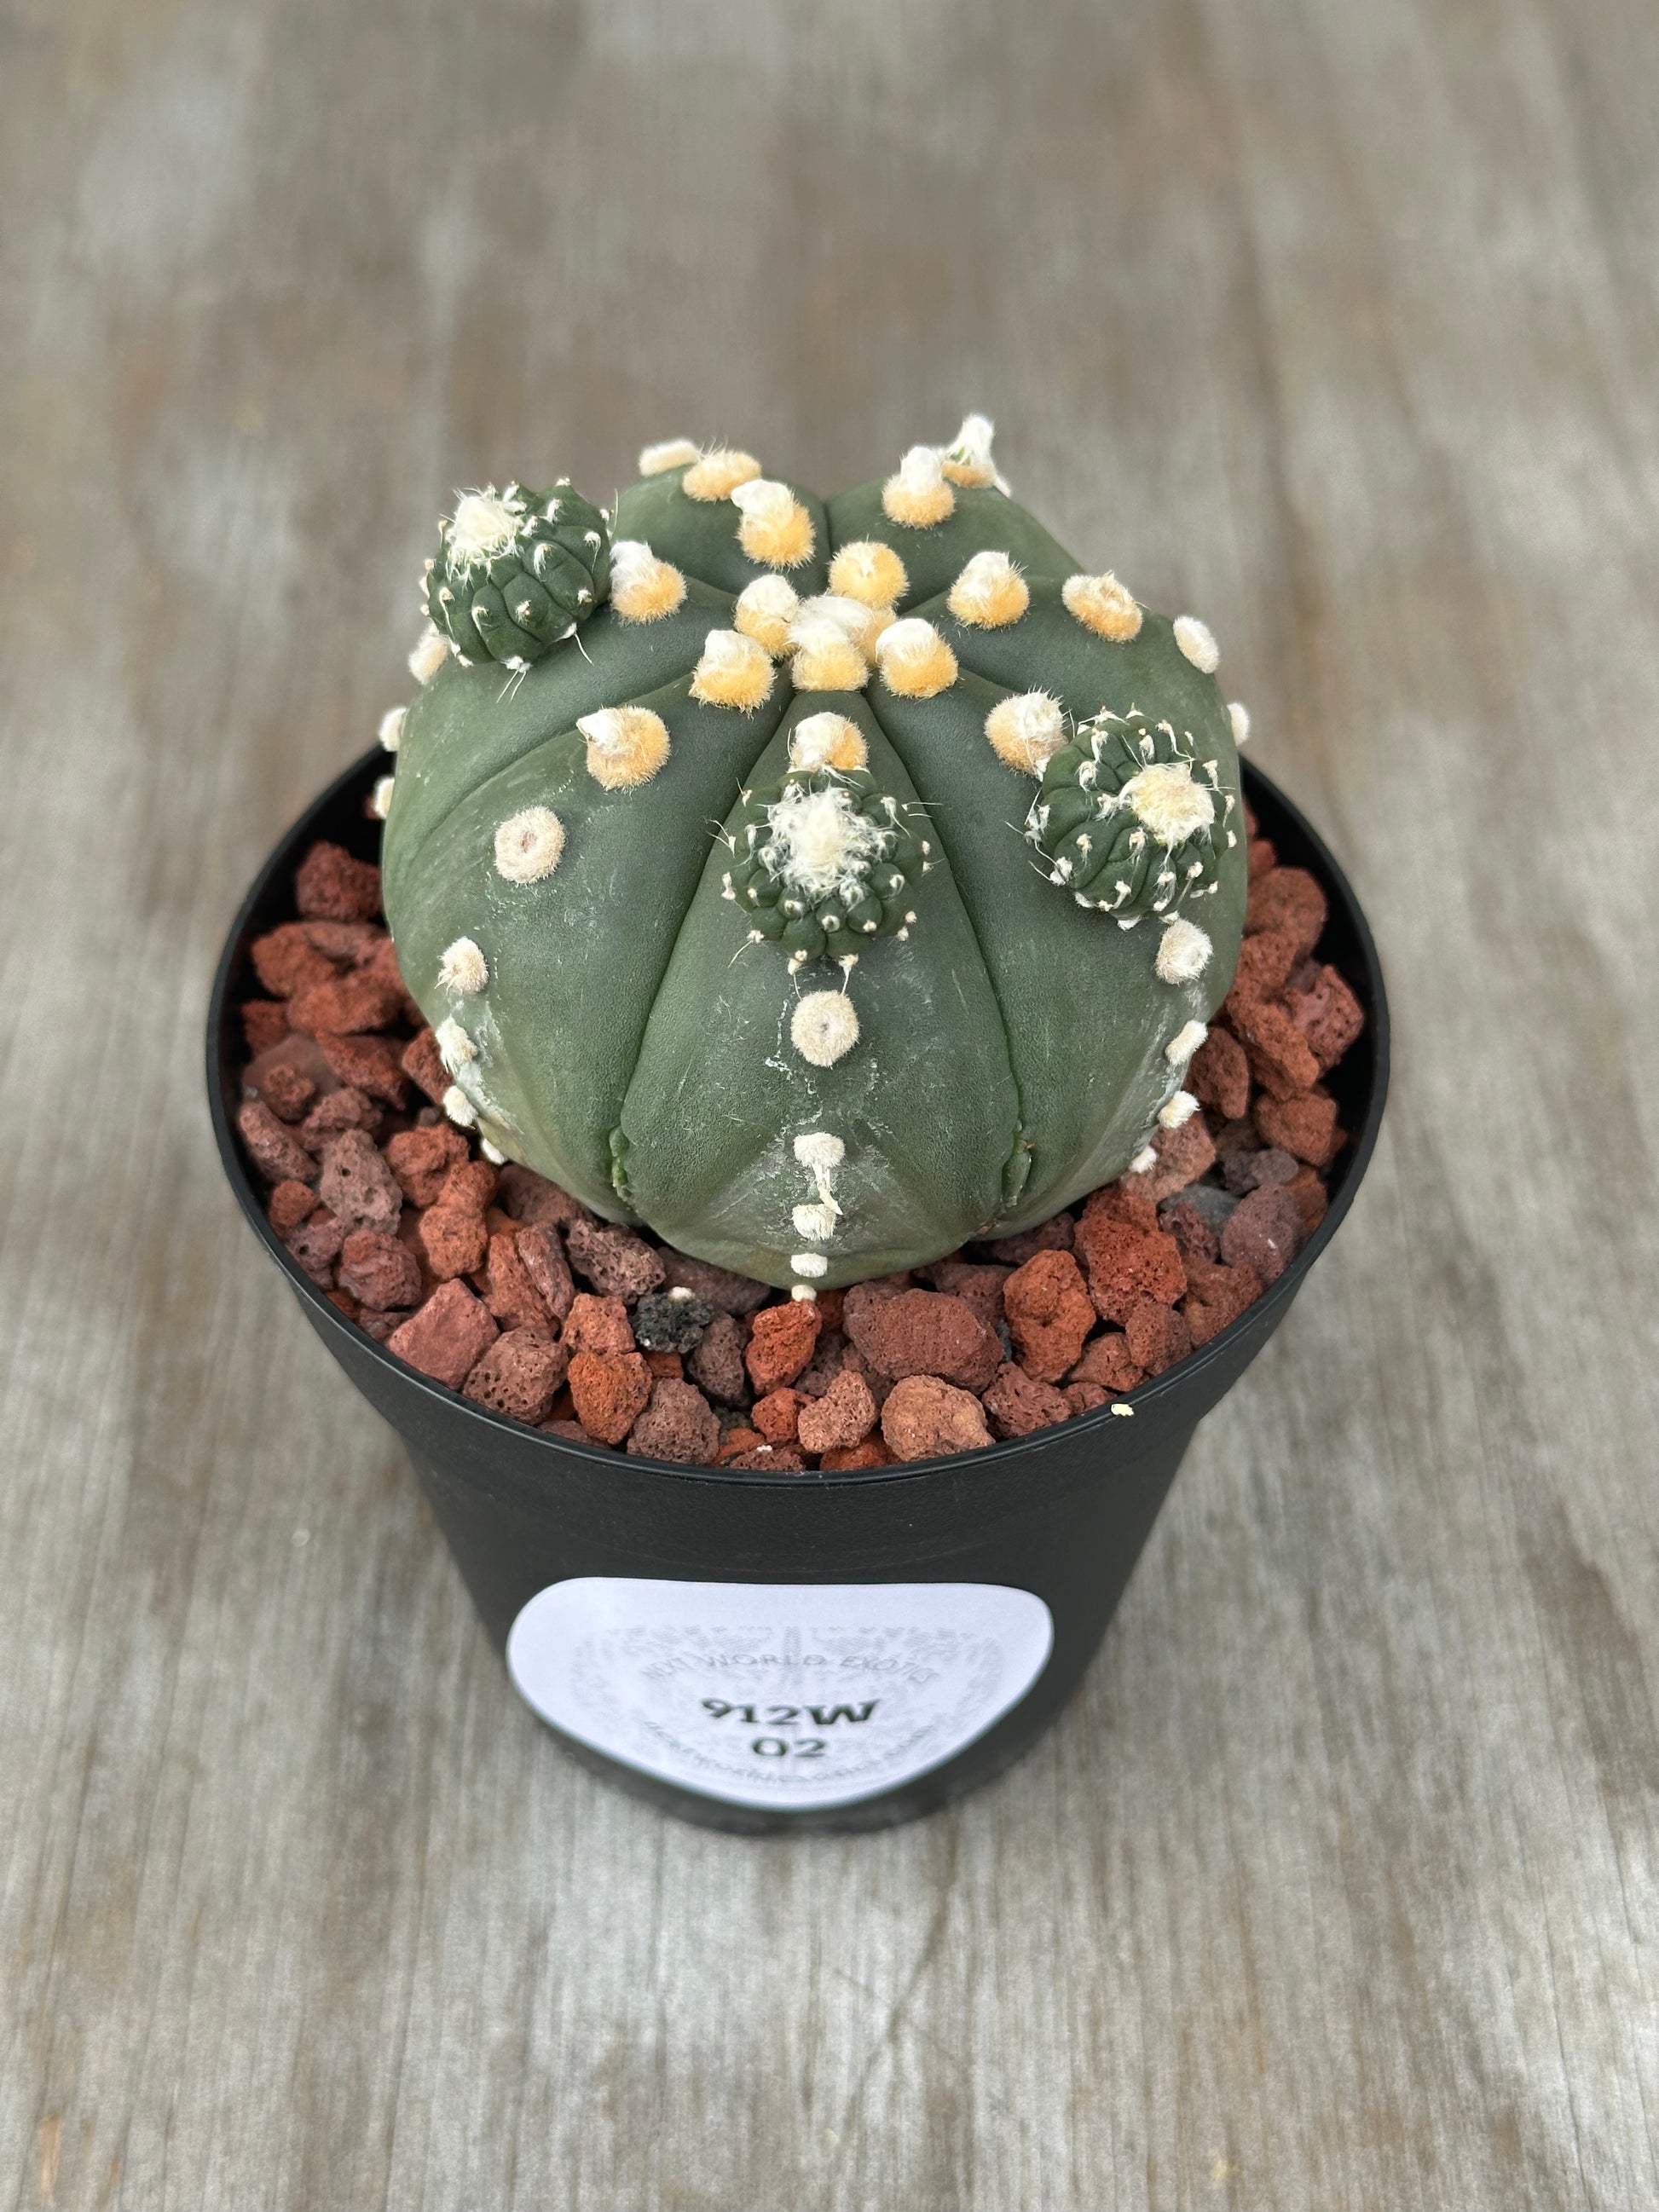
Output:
x=825 y=883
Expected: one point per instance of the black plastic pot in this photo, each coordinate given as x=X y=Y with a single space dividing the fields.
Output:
x=835 y=1652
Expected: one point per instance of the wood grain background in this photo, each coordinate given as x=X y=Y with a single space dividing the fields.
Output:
x=1337 y=324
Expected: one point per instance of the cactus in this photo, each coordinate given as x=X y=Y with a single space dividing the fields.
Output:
x=826 y=884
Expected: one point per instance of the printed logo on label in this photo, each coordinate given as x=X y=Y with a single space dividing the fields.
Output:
x=780 y=1694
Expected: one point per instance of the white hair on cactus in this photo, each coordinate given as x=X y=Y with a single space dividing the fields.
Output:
x=484 y=524
x=1103 y=604
x=828 y=741
x=528 y=846
x=1184 y=1043
x=1027 y=731
x=1239 y=715
x=462 y=967
x=849 y=615
x=915 y=661
x=455 y=1047
x=815 y=1219
x=734 y=672
x=390 y=732
x=775 y=527
x=643 y=588
x=826 y=657
x=809 y=1263
x=968 y=460
x=492 y=1154
x=671 y=453
x=825 y=1027
x=718 y=472
x=1198 y=642
x=379 y=799
x=432 y=649
x=819 y=1149
x=818 y=843
x=1167 y=797
x=1143 y=1163
x=626 y=746
x=990 y=592
x=764 y=611
x=867 y=569
x=459 y=1108
x=1178 y=1110
x=918 y=495
x=1184 y=952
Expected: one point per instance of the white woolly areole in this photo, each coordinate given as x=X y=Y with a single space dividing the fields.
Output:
x=918 y=494
x=1197 y=641
x=492 y=1154
x=764 y=498
x=458 y=1107
x=528 y=845
x=819 y=1149
x=1026 y=731
x=462 y=967
x=1143 y=1162
x=1184 y=1043
x=848 y=618
x=734 y=670
x=922 y=469
x=809 y=1263
x=1239 y=715
x=1168 y=801
x=968 y=461
x=642 y=587
x=1182 y=1108
x=828 y=741
x=379 y=801
x=431 y=651
x=815 y=1218
x=1184 y=953
x=455 y=1047
x=671 y=453
x=764 y=610
x=914 y=659
x=823 y=1028
x=390 y=732
x=818 y=843
x=482 y=525
x=990 y=592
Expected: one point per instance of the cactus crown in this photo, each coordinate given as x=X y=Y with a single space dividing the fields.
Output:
x=517 y=573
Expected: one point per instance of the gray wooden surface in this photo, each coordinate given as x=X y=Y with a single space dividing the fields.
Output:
x=1338 y=1887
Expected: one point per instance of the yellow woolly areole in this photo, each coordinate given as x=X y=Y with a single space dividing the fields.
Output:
x=733 y=671
x=828 y=741
x=918 y=495
x=775 y=527
x=1197 y=641
x=1103 y=604
x=718 y=473
x=1026 y=732
x=626 y=746
x=764 y=611
x=989 y=593
x=643 y=588
x=827 y=659
x=968 y=460
x=869 y=571
x=528 y=845
x=916 y=661
x=672 y=453
x=430 y=654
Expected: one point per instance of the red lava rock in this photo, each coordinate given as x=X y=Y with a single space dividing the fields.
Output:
x=859 y=1301
x=1183 y=1155
x=1328 y=1014
x=352 y=942
x=346 y=1006
x=1127 y=1261
x=316 y=1245
x=448 y=1336
x=1312 y=1199
x=510 y=1295
x=842 y=1417
x=287 y=1206
x=1287 y=899
x=542 y=1255
x=615 y=1261
x=1084 y=1397
x=668 y=1363
x=926 y=1333
x=454 y=1240
x=421 y=1061
x=717 y=1366
x=532 y=1198
x=331 y=886
x=830 y=1305
x=286 y=1091
x=679 y=1424
x=925 y=1418
x=1248 y=1170
x=595 y=1324
x=727 y=1292
x=357 y=1184
x=368 y=1064
x=735 y=1441
x=276 y=1152
x=287 y=963
x=1260 y=854
x=829 y=1357
x=769 y=1459
x=1197 y=1240
x=979 y=1288
x=380 y=1272
x=611 y=1391
x=1218 y=1296
x=1281 y=1059
x=520 y=1374
x=1305 y=1128
x=1054 y=1235
x=264 y=1023
x=568 y=1425
x=420 y=1158
x=780 y=1343
x=468 y=1187
x=1118 y=1202
x=1019 y=1405
x=1156 y=1337
x=344 y=1109
x=1264 y=965
x=777 y=1415
x=1109 y=1362
x=842 y=1458
x=1049 y=1313
x=1263 y=1233
x=1219 y=1075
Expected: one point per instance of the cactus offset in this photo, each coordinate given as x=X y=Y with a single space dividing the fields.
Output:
x=829 y=883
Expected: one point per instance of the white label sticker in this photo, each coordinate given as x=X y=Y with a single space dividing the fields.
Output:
x=766 y=1693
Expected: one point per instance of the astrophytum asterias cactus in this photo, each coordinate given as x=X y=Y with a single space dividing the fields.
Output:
x=823 y=885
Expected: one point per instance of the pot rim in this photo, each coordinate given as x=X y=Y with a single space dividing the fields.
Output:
x=1101 y=1422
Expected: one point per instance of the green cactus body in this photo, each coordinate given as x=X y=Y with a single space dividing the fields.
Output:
x=517 y=572
x=823 y=981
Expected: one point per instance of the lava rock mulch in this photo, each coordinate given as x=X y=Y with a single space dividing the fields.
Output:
x=497 y=1284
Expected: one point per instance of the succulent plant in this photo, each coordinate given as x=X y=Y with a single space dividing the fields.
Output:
x=835 y=883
